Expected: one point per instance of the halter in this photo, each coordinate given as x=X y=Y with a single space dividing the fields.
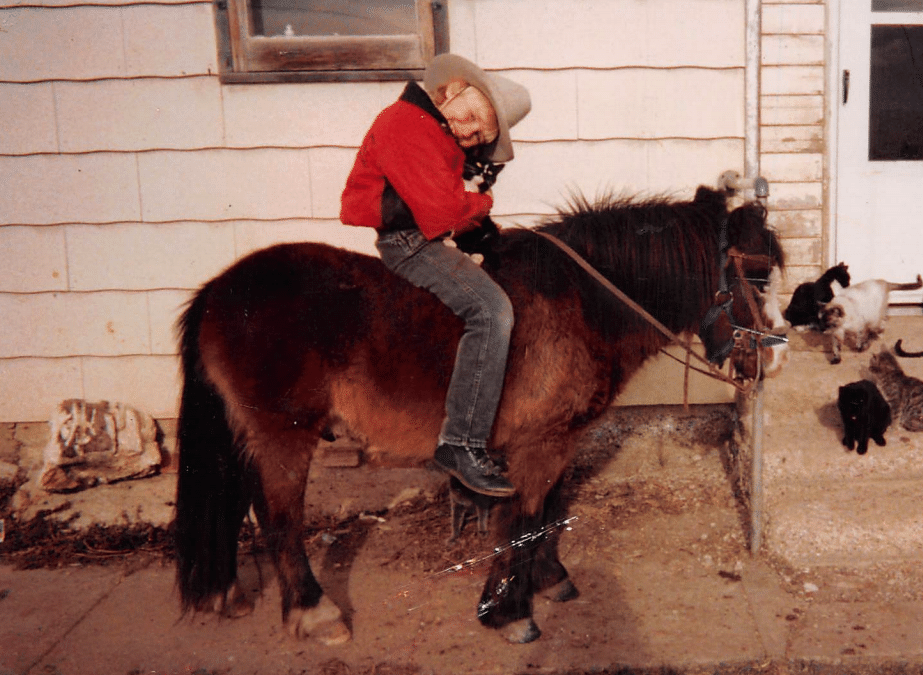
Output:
x=724 y=301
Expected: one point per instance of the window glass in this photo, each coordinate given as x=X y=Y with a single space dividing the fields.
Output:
x=333 y=17
x=897 y=5
x=896 y=93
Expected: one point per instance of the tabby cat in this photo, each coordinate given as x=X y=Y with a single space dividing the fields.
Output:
x=865 y=415
x=904 y=393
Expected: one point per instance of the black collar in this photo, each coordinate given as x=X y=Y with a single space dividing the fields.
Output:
x=413 y=93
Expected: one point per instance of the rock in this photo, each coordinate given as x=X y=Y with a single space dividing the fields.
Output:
x=100 y=442
x=8 y=473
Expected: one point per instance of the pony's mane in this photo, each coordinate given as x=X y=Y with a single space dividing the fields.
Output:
x=661 y=252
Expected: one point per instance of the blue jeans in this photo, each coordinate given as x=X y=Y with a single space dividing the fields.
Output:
x=480 y=361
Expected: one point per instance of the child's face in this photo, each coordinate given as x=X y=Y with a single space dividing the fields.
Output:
x=470 y=115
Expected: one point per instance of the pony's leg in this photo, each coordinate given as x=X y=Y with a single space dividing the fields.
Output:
x=507 y=597
x=549 y=576
x=282 y=462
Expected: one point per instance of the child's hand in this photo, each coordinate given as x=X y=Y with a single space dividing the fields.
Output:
x=476 y=257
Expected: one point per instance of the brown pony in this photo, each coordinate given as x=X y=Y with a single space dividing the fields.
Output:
x=297 y=337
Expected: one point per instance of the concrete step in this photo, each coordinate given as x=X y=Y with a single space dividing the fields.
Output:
x=825 y=505
x=860 y=522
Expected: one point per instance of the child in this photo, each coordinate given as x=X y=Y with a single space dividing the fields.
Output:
x=407 y=184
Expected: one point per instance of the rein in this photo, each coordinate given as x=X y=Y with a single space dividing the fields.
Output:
x=710 y=369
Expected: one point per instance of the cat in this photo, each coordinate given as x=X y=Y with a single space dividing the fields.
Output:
x=856 y=314
x=479 y=176
x=903 y=393
x=464 y=503
x=865 y=415
x=803 y=310
x=907 y=355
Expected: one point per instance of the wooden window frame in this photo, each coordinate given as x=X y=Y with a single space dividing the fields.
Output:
x=247 y=58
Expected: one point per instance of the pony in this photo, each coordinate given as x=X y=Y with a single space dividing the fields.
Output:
x=296 y=338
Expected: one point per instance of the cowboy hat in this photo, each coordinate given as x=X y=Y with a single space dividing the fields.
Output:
x=509 y=99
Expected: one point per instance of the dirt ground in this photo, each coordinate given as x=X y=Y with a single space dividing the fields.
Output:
x=661 y=561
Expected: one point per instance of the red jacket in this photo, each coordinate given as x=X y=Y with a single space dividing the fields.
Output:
x=408 y=173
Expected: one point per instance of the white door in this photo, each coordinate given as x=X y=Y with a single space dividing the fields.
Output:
x=879 y=214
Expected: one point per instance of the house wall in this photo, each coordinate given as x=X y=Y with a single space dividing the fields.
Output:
x=793 y=146
x=131 y=174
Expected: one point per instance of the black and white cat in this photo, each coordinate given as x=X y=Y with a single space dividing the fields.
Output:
x=810 y=296
x=904 y=393
x=479 y=176
x=856 y=315
x=865 y=415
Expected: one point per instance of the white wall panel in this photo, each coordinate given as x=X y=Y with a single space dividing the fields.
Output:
x=74 y=324
x=134 y=256
x=140 y=114
x=45 y=189
x=32 y=259
x=28 y=115
x=656 y=103
x=606 y=34
x=225 y=184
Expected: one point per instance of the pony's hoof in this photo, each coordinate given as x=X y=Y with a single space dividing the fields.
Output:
x=522 y=632
x=562 y=591
x=233 y=604
x=323 y=623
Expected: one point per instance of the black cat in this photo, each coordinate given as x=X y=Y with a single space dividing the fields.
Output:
x=865 y=415
x=808 y=297
x=465 y=503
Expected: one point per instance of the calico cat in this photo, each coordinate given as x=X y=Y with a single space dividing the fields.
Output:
x=865 y=415
x=856 y=315
x=908 y=355
x=810 y=296
x=904 y=393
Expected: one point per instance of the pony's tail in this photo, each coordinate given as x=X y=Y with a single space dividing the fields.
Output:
x=213 y=489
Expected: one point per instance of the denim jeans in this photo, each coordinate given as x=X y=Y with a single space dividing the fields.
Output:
x=480 y=361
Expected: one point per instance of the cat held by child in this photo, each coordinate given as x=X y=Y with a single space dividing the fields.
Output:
x=856 y=315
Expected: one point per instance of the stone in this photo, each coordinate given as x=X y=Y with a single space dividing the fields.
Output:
x=101 y=442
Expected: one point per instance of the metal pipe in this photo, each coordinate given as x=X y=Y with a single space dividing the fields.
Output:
x=752 y=89
x=752 y=169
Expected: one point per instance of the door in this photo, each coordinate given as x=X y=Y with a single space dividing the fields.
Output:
x=879 y=223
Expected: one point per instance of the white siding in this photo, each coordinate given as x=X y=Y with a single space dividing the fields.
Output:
x=792 y=143
x=131 y=175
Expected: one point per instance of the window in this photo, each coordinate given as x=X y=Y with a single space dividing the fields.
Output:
x=896 y=93
x=327 y=40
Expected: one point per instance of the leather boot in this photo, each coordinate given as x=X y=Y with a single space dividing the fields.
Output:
x=474 y=469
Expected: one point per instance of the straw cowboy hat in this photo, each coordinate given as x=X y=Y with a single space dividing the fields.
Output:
x=510 y=100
